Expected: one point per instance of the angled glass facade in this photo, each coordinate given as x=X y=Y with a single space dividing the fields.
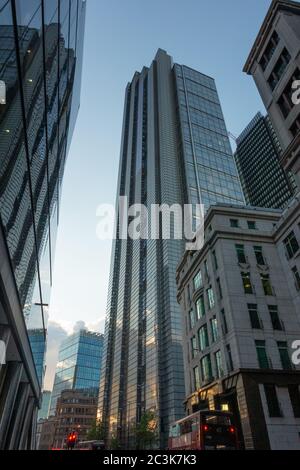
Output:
x=257 y=156
x=79 y=364
x=174 y=150
x=41 y=45
x=211 y=173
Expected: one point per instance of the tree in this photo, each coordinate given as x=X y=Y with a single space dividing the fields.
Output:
x=114 y=443
x=146 y=431
x=96 y=433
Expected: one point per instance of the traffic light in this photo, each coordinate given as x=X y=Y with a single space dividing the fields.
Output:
x=71 y=440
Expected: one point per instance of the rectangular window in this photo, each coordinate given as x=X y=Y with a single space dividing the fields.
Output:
x=198 y=281
x=203 y=338
x=206 y=269
x=196 y=378
x=295 y=399
x=210 y=298
x=272 y=401
x=218 y=364
x=214 y=329
x=259 y=255
x=275 y=320
x=234 y=223
x=224 y=322
x=219 y=288
x=291 y=245
x=200 y=308
x=295 y=127
x=269 y=51
x=297 y=277
x=206 y=368
x=215 y=261
x=262 y=357
x=193 y=346
x=192 y=319
x=265 y=279
x=279 y=69
x=284 y=355
x=240 y=251
x=251 y=224
x=247 y=283
x=229 y=358
x=254 y=317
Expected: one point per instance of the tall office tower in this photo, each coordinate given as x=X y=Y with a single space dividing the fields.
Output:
x=41 y=45
x=257 y=157
x=79 y=364
x=174 y=149
x=274 y=63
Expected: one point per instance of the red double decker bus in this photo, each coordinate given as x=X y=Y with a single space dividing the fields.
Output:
x=204 y=430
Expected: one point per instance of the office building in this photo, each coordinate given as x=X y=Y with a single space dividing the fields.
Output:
x=274 y=63
x=45 y=407
x=79 y=365
x=175 y=149
x=38 y=348
x=257 y=157
x=76 y=411
x=41 y=46
x=240 y=299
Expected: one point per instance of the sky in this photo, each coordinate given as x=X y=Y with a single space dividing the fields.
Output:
x=121 y=36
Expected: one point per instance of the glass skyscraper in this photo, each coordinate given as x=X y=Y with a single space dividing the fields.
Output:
x=79 y=365
x=45 y=407
x=175 y=149
x=41 y=45
x=257 y=156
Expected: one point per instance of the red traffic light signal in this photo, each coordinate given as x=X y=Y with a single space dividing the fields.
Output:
x=71 y=439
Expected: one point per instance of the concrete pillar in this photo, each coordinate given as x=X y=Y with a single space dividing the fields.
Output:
x=8 y=398
x=26 y=424
x=19 y=413
x=5 y=334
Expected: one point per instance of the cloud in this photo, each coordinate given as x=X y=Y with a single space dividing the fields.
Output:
x=79 y=325
x=56 y=334
x=97 y=326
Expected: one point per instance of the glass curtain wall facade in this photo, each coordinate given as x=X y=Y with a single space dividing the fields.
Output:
x=257 y=156
x=41 y=45
x=79 y=365
x=174 y=149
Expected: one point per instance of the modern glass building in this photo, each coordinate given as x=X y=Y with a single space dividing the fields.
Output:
x=175 y=149
x=79 y=365
x=41 y=45
x=38 y=348
x=258 y=154
x=45 y=407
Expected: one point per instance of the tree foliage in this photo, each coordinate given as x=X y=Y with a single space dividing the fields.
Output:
x=96 y=433
x=146 y=431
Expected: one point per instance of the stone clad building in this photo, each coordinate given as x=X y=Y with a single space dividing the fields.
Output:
x=240 y=302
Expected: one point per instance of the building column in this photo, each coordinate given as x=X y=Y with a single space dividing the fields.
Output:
x=20 y=409
x=5 y=334
x=8 y=397
x=26 y=424
x=33 y=442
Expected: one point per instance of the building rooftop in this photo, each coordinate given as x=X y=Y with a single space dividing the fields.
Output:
x=275 y=7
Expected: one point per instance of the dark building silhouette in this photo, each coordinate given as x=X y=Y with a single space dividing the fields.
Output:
x=257 y=157
x=41 y=45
